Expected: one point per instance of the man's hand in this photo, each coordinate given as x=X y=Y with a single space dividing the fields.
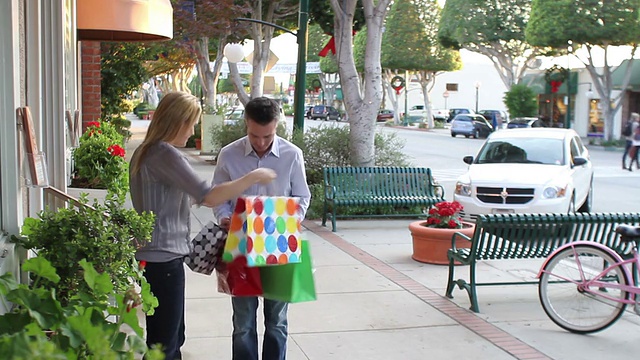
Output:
x=224 y=223
x=263 y=175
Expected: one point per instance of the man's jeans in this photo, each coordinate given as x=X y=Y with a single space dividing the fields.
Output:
x=166 y=325
x=245 y=336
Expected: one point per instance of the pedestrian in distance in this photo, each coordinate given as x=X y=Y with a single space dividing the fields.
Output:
x=630 y=131
x=261 y=147
x=163 y=182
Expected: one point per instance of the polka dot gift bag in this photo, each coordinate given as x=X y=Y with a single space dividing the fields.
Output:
x=206 y=249
x=265 y=230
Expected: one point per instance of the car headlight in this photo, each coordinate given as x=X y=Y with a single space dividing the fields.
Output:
x=463 y=189
x=552 y=192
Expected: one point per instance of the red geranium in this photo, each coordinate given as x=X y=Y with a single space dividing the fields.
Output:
x=93 y=123
x=116 y=150
x=445 y=215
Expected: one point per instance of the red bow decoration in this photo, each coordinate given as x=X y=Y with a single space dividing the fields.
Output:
x=331 y=46
x=555 y=86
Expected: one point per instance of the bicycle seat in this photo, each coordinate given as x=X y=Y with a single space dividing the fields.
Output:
x=628 y=232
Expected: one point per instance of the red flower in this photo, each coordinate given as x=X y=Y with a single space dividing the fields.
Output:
x=116 y=150
x=445 y=215
x=453 y=224
x=93 y=123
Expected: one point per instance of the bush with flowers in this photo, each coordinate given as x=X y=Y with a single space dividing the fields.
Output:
x=445 y=215
x=99 y=160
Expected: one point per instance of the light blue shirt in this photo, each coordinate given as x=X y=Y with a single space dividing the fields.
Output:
x=238 y=158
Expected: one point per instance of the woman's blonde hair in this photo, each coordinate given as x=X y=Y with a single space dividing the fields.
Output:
x=175 y=111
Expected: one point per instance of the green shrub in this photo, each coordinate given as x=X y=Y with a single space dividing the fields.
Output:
x=521 y=101
x=224 y=135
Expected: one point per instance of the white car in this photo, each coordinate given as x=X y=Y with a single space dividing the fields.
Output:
x=542 y=170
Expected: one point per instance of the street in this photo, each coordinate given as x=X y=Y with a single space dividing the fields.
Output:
x=615 y=190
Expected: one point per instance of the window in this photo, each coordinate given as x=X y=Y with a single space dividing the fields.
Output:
x=452 y=87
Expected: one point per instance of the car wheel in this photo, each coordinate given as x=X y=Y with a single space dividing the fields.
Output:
x=467 y=136
x=453 y=134
x=588 y=202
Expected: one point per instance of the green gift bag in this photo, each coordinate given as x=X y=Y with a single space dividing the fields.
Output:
x=291 y=282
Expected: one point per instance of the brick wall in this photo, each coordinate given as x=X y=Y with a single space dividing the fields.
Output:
x=90 y=65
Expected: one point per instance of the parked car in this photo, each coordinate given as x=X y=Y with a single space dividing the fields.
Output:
x=307 y=111
x=502 y=117
x=417 y=111
x=233 y=116
x=470 y=125
x=384 y=115
x=325 y=113
x=542 y=170
x=440 y=114
x=525 y=122
x=455 y=111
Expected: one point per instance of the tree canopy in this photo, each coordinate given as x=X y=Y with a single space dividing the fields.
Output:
x=493 y=28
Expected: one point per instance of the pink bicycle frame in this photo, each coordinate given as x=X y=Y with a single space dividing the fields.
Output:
x=631 y=289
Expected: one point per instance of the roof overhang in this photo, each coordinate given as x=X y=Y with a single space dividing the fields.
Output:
x=125 y=20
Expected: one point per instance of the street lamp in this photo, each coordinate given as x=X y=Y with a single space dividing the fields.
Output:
x=301 y=66
x=233 y=52
x=567 y=122
x=477 y=85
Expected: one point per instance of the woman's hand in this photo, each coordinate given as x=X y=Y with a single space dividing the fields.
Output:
x=263 y=175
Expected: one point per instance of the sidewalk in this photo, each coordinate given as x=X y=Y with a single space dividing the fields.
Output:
x=375 y=302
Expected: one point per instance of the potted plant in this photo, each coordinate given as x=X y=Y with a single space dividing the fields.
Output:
x=99 y=160
x=432 y=237
x=106 y=235
x=42 y=327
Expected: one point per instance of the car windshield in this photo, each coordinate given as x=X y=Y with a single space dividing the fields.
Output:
x=522 y=150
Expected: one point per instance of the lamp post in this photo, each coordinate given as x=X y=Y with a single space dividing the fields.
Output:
x=301 y=66
x=477 y=85
x=567 y=122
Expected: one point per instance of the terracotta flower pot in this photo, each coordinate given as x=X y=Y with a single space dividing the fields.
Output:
x=198 y=144
x=430 y=245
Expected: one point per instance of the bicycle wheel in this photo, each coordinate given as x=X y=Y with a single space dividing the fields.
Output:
x=568 y=303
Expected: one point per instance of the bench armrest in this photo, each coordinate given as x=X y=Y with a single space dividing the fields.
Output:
x=455 y=236
x=438 y=186
x=329 y=191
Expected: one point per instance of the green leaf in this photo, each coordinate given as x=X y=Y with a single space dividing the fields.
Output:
x=41 y=267
x=99 y=283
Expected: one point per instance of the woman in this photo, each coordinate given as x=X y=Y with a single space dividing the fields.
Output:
x=163 y=182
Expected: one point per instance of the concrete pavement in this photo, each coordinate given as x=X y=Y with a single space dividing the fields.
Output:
x=375 y=302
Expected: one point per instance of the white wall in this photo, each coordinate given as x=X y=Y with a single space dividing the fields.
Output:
x=476 y=68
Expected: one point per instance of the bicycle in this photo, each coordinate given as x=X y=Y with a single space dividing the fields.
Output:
x=585 y=287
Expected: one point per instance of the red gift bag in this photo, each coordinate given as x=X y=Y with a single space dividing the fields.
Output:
x=237 y=279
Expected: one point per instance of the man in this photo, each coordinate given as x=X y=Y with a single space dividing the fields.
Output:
x=629 y=148
x=261 y=148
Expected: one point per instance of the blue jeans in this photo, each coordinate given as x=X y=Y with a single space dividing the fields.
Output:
x=245 y=336
x=166 y=325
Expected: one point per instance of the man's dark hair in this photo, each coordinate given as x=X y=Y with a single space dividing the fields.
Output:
x=262 y=110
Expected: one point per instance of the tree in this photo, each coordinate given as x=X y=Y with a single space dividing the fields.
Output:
x=201 y=25
x=361 y=101
x=121 y=71
x=521 y=101
x=589 y=24
x=283 y=11
x=492 y=28
x=410 y=42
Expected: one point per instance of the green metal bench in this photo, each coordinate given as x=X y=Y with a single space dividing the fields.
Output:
x=371 y=186
x=530 y=236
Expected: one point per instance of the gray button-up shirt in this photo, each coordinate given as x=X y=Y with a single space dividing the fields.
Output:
x=238 y=158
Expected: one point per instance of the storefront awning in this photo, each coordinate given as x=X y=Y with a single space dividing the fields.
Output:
x=125 y=20
x=540 y=86
x=617 y=76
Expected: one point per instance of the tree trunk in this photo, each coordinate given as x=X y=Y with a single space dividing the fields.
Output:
x=362 y=104
x=427 y=81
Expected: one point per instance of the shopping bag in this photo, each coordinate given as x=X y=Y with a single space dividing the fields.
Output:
x=265 y=230
x=291 y=282
x=206 y=249
x=237 y=279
